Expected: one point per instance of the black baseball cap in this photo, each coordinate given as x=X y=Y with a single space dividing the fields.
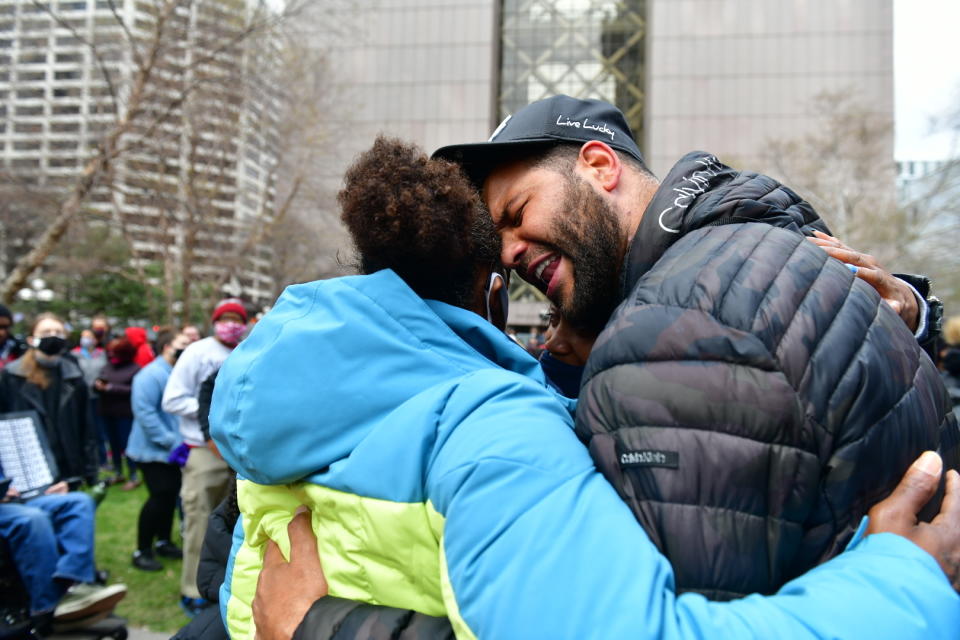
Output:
x=558 y=119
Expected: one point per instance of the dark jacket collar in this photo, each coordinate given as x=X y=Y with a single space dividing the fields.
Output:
x=671 y=214
x=68 y=368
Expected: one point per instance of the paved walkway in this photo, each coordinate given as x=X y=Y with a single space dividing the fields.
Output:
x=146 y=634
x=133 y=634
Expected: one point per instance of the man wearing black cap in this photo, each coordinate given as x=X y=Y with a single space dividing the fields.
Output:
x=560 y=134
x=749 y=397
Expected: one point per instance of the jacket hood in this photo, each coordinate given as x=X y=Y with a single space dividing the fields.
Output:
x=339 y=356
x=700 y=191
x=136 y=335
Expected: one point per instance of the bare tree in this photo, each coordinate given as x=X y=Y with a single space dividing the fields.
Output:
x=845 y=168
x=168 y=93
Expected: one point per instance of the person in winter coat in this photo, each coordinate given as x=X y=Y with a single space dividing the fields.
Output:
x=10 y=347
x=154 y=436
x=950 y=373
x=205 y=475
x=51 y=541
x=44 y=381
x=113 y=386
x=138 y=338
x=443 y=475
x=565 y=353
x=91 y=358
x=750 y=398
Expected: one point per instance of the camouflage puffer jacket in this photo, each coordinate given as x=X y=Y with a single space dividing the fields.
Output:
x=750 y=399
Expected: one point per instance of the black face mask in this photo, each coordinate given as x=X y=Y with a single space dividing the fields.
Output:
x=52 y=345
x=176 y=354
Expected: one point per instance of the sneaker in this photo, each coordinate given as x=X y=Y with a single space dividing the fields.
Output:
x=84 y=600
x=42 y=624
x=192 y=606
x=145 y=562
x=114 y=479
x=65 y=626
x=166 y=549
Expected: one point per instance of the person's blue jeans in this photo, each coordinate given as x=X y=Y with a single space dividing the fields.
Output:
x=51 y=541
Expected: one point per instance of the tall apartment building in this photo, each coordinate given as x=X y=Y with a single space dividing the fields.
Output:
x=198 y=174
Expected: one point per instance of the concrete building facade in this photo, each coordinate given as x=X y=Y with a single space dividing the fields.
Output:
x=728 y=76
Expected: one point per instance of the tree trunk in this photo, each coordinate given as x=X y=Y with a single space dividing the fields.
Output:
x=51 y=237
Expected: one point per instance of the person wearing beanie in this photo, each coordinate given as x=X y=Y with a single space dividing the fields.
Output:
x=205 y=475
x=10 y=347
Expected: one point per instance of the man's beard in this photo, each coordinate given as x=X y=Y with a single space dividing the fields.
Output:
x=589 y=233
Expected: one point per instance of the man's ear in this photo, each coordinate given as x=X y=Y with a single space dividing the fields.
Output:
x=498 y=314
x=601 y=163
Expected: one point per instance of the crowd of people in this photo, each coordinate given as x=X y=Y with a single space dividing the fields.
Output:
x=113 y=409
x=737 y=426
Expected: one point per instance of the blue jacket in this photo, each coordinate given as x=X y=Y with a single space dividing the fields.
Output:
x=443 y=476
x=155 y=432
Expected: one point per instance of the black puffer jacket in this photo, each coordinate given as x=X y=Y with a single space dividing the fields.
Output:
x=73 y=437
x=750 y=398
x=207 y=624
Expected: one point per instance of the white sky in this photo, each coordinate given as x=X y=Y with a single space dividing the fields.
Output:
x=926 y=34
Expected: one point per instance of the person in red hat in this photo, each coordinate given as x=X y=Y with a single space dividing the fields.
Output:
x=205 y=474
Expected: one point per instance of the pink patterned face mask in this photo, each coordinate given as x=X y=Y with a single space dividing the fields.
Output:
x=229 y=333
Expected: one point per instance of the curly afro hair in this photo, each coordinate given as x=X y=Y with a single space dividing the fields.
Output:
x=419 y=217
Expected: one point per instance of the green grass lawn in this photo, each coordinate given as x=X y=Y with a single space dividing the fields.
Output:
x=152 y=597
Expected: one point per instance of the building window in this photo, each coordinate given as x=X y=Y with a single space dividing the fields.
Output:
x=26 y=145
x=32 y=58
x=27 y=94
x=34 y=25
x=63 y=92
x=32 y=110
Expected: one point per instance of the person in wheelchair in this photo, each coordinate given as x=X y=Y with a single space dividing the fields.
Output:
x=47 y=449
x=50 y=538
